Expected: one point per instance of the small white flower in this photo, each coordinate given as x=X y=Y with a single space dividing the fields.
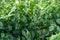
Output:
x=17 y=2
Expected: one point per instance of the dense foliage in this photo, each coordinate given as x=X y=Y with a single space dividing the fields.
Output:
x=55 y=37
x=29 y=19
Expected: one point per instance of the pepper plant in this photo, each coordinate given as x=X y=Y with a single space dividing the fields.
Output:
x=29 y=19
